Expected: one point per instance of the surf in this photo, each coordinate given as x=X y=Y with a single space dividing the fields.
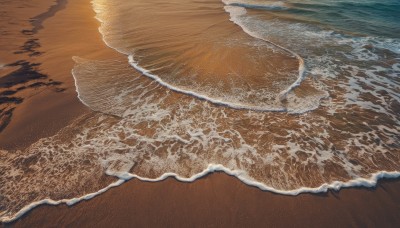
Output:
x=144 y=129
x=279 y=101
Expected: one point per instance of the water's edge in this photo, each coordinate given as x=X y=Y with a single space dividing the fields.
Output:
x=123 y=177
x=282 y=96
x=370 y=182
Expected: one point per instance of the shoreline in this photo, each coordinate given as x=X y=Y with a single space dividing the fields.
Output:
x=337 y=186
x=181 y=189
x=220 y=200
x=33 y=85
x=218 y=101
x=45 y=110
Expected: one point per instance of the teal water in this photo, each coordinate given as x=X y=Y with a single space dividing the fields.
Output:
x=369 y=17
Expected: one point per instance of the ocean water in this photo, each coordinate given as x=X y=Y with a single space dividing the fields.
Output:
x=288 y=96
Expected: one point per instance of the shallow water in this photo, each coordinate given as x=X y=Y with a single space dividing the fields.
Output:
x=284 y=95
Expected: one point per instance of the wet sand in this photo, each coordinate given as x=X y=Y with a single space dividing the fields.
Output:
x=216 y=200
x=219 y=200
x=67 y=31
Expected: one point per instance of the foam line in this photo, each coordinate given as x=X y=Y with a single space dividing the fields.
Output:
x=176 y=89
x=69 y=202
x=282 y=95
x=75 y=59
x=147 y=73
x=241 y=175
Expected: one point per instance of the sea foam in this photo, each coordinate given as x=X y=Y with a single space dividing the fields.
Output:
x=144 y=130
x=281 y=103
x=268 y=5
x=337 y=185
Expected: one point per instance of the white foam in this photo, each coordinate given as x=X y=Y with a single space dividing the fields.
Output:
x=242 y=175
x=76 y=59
x=268 y=5
x=198 y=138
x=282 y=95
x=236 y=13
x=372 y=181
x=69 y=202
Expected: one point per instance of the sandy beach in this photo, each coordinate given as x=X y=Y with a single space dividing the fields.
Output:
x=56 y=109
x=216 y=200
x=219 y=200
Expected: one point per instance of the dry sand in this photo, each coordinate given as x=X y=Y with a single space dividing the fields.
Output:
x=213 y=201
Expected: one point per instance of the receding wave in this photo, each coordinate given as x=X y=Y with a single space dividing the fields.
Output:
x=236 y=13
x=203 y=59
x=147 y=131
